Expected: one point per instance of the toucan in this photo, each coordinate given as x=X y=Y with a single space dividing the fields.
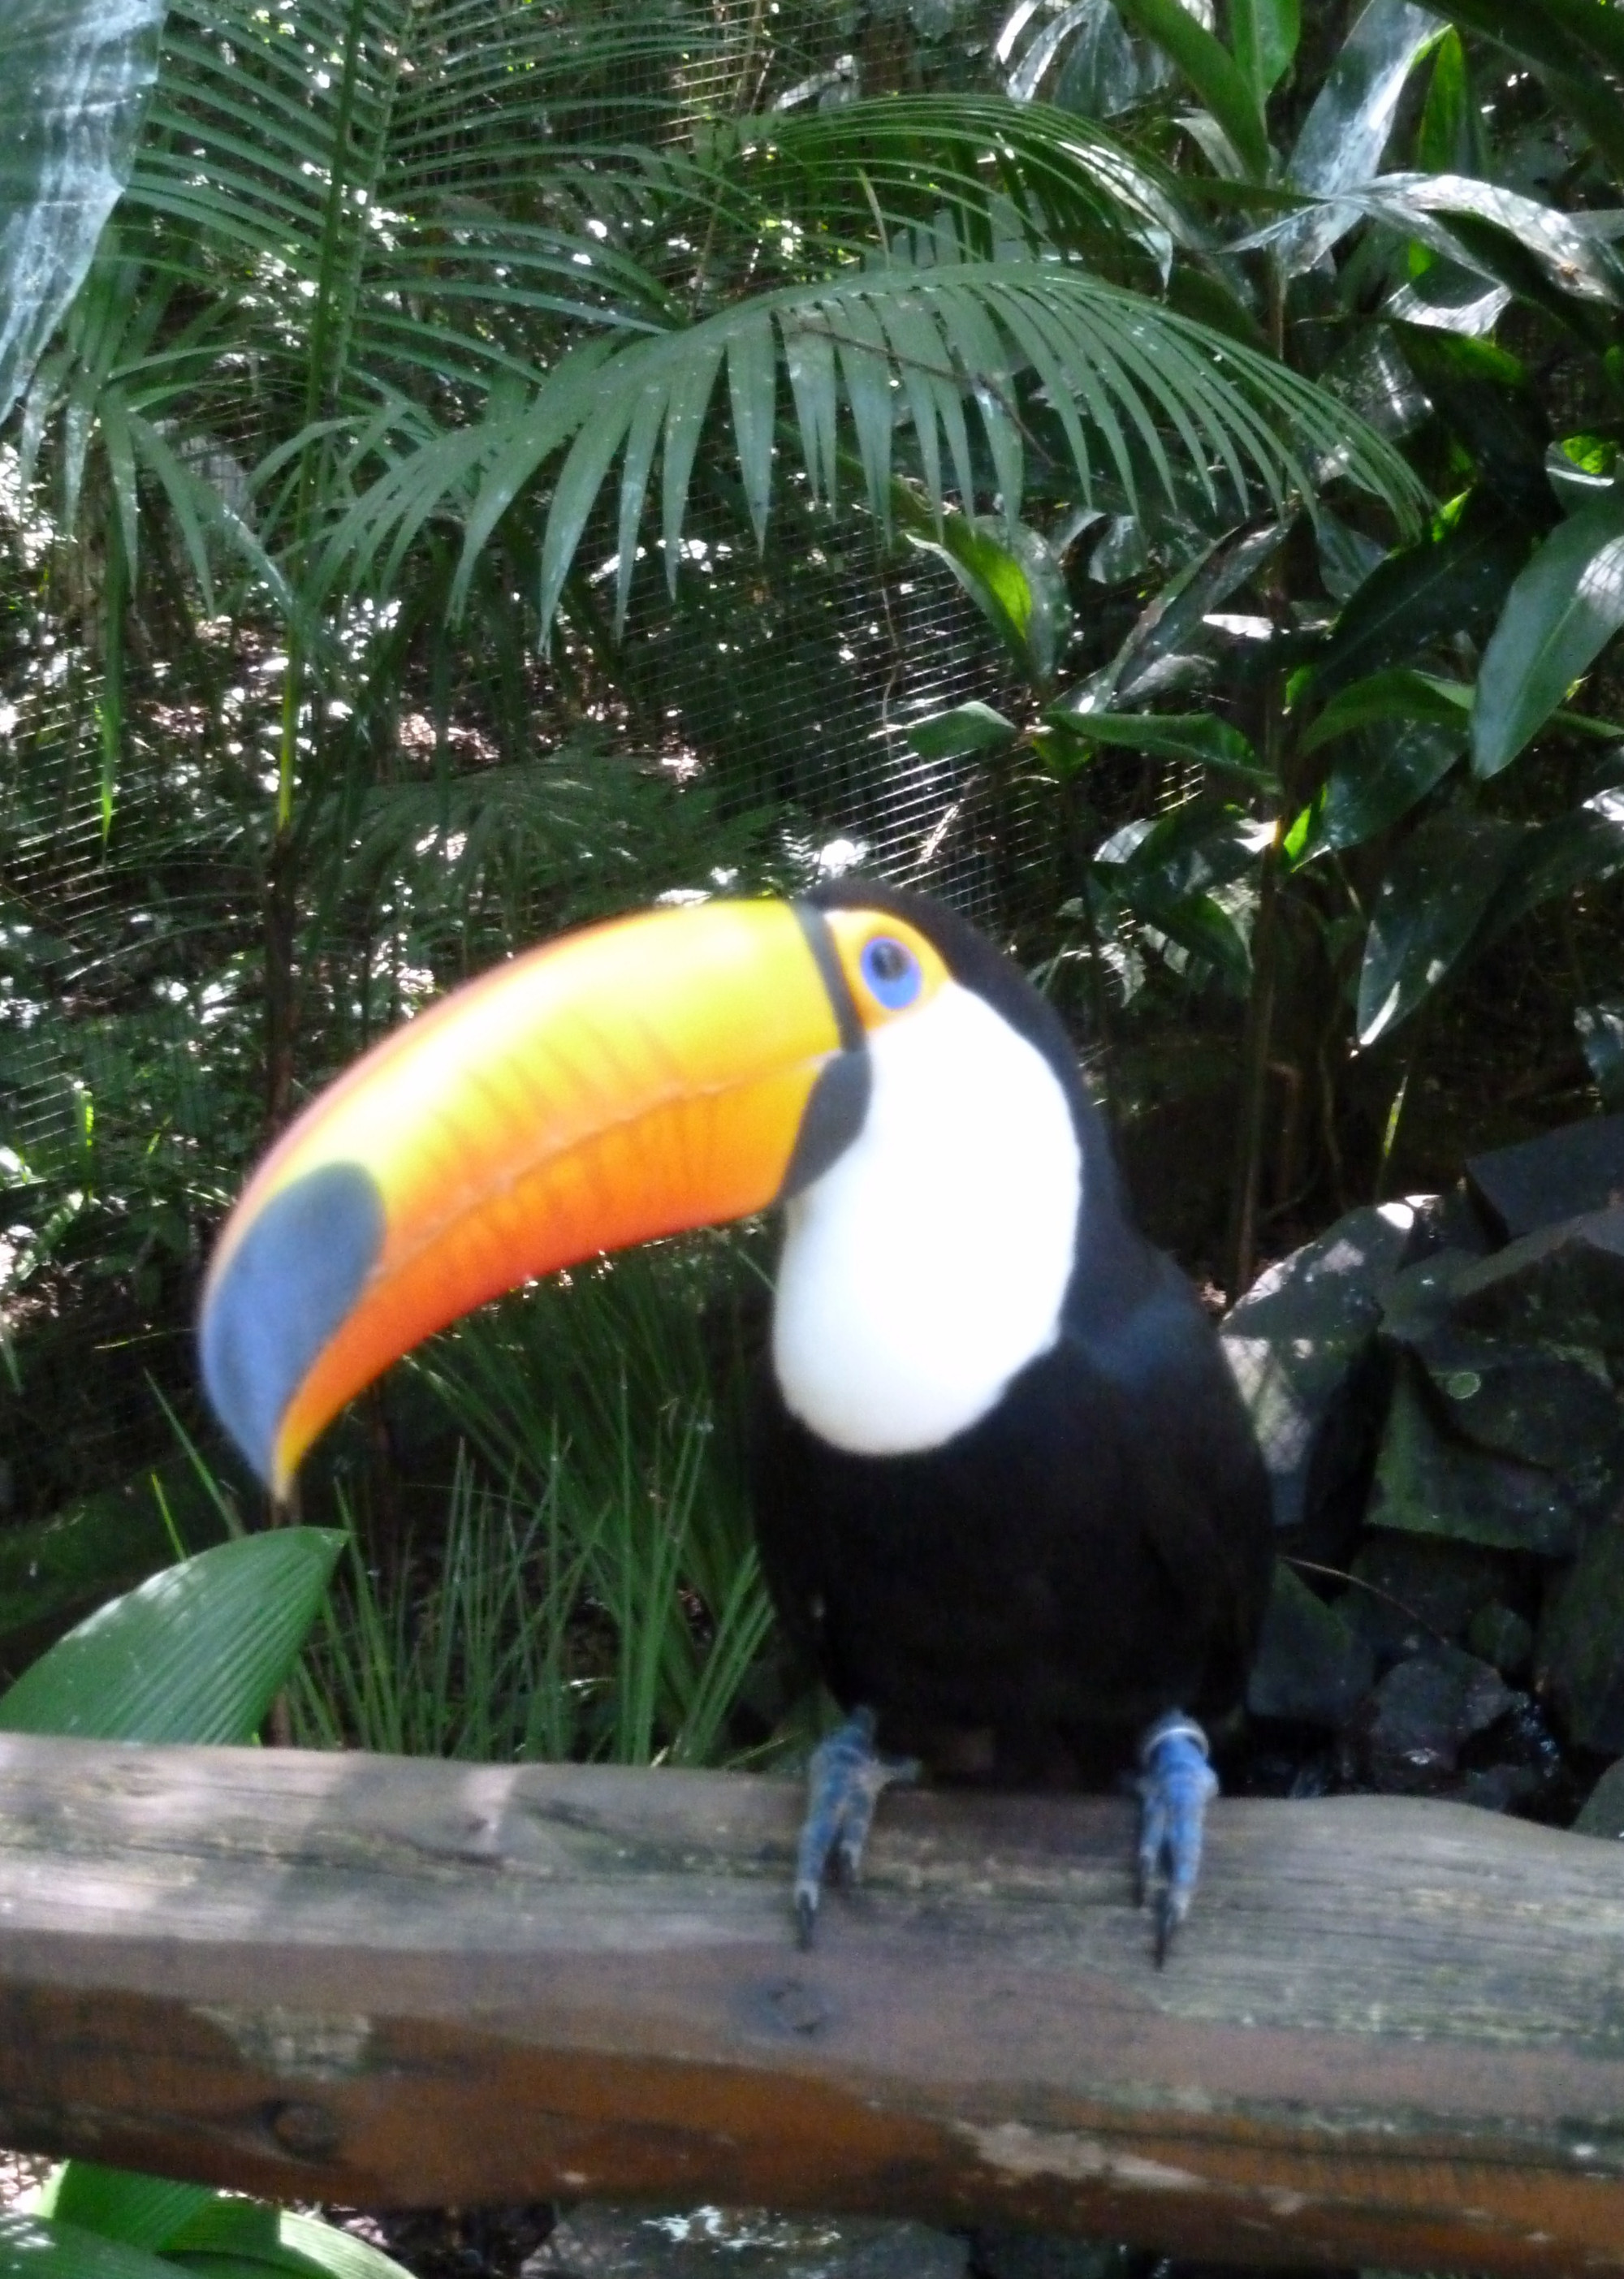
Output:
x=1007 y=1496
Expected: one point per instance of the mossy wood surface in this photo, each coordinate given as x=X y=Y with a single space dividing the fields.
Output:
x=1392 y=2034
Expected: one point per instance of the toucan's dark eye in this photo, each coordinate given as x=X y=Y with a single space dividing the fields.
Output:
x=891 y=971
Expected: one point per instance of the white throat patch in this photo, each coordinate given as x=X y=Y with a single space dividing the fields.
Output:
x=928 y=1263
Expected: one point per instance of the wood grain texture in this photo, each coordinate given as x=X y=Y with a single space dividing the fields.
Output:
x=1393 y=2032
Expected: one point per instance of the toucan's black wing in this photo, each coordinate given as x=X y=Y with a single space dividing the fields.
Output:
x=1091 y=1553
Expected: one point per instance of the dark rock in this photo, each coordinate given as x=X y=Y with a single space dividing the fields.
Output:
x=999 y=2254
x=1496 y=1788
x=595 y=2241
x=1447 y=1221
x=1580 y=1657
x=1542 y=1406
x=1312 y=1670
x=1429 y=1481
x=1562 y=1287
x=1300 y=1342
x=1602 y=1813
x=1423 y=1712
x=1559 y=1176
x=1413 y=1591
x=1498 y=1634
x=1416 y=1301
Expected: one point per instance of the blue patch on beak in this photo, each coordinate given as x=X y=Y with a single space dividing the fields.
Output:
x=293 y=1277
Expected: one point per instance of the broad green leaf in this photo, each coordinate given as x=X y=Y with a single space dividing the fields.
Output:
x=1200 y=736
x=1264 y=34
x=1581 y=470
x=1560 y=615
x=1211 y=71
x=1165 y=872
x=251 y=2236
x=1432 y=901
x=1198 y=924
x=1490 y=404
x=1601 y=1037
x=1376 y=783
x=1578 y=849
x=1345 y=133
x=33 y=2247
x=117 y=2204
x=197 y=1653
x=1451 y=139
x=1565 y=35
x=1013 y=578
x=967 y=728
x=1398 y=693
x=1453 y=581
x=74 y=76
x=1170 y=625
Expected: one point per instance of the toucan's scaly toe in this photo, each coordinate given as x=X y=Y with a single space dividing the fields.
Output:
x=1176 y=1784
x=845 y=1779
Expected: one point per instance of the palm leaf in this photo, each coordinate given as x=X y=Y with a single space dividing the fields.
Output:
x=1133 y=367
x=980 y=160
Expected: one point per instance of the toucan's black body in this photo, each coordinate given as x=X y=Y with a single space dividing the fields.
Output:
x=1094 y=1551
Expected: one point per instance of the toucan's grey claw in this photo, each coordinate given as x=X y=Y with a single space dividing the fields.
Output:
x=845 y=1780
x=805 y=1919
x=1176 y=1784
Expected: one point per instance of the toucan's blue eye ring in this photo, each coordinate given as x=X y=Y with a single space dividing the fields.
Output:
x=891 y=972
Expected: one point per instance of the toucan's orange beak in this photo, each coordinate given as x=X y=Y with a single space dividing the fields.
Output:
x=643 y=1076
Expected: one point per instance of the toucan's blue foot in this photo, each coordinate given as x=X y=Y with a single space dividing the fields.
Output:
x=844 y=1781
x=1176 y=1784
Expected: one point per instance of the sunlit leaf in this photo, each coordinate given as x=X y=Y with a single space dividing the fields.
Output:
x=1399 y=693
x=1577 y=849
x=1433 y=901
x=197 y=1653
x=1342 y=140
x=1377 y=783
x=1264 y=34
x=1560 y=615
x=32 y=2247
x=967 y=729
x=1452 y=581
x=1014 y=579
x=1130 y=364
x=1200 y=736
x=1211 y=71
x=116 y=2204
x=74 y=75
x=249 y=2233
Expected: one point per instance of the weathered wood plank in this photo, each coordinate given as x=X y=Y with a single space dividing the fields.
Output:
x=1393 y=2032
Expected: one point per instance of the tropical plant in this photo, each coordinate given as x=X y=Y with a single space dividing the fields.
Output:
x=196 y=1653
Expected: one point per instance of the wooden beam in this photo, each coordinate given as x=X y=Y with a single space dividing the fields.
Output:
x=1392 y=2033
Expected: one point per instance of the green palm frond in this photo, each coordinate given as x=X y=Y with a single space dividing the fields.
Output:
x=364 y=173
x=1129 y=380
x=989 y=164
